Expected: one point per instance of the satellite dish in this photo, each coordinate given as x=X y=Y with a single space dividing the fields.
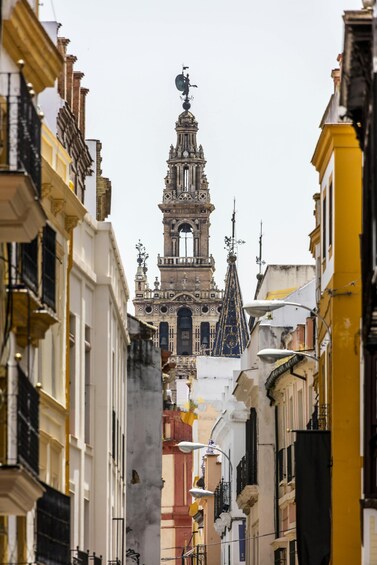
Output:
x=180 y=82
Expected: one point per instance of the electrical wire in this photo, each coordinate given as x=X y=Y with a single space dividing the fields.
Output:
x=230 y=541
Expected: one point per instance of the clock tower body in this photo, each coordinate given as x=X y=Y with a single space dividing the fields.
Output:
x=185 y=303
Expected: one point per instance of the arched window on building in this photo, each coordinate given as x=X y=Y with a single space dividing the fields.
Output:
x=164 y=335
x=204 y=337
x=184 y=332
x=186 y=241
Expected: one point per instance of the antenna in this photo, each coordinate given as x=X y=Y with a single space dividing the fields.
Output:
x=259 y=260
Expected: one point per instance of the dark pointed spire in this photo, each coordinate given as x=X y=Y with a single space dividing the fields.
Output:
x=232 y=333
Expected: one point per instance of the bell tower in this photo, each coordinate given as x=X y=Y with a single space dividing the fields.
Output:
x=186 y=208
x=185 y=303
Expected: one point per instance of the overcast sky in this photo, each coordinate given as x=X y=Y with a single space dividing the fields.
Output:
x=263 y=75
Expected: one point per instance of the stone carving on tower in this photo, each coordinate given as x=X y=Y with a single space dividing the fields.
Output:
x=185 y=303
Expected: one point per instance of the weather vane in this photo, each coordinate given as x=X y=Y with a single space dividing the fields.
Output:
x=259 y=259
x=232 y=242
x=182 y=82
x=142 y=256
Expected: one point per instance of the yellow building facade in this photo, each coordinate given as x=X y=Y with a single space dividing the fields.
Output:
x=336 y=249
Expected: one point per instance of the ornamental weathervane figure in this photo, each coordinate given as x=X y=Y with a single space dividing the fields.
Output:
x=182 y=83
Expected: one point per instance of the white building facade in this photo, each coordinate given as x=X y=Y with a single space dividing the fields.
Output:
x=98 y=389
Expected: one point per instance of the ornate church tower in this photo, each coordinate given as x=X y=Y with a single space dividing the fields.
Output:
x=185 y=304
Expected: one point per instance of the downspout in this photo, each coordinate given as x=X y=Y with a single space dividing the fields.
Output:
x=67 y=364
x=277 y=524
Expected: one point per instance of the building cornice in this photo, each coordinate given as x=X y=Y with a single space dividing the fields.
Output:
x=24 y=38
x=332 y=137
x=315 y=238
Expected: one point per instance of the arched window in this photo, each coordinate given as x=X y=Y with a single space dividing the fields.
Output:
x=184 y=332
x=204 y=337
x=186 y=241
x=164 y=335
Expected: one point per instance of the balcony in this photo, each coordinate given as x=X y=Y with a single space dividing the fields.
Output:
x=320 y=419
x=80 y=557
x=222 y=499
x=247 y=487
x=53 y=527
x=21 y=213
x=186 y=261
x=33 y=288
x=19 y=444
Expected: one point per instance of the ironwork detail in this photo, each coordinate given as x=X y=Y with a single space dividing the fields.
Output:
x=290 y=463
x=246 y=473
x=222 y=498
x=29 y=264
x=53 y=527
x=49 y=267
x=27 y=423
x=23 y=128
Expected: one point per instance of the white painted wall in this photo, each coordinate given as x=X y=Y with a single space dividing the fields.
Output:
x=99 y=296
x=267 y=333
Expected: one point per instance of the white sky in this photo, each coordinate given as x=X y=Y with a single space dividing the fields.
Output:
x=263 y=75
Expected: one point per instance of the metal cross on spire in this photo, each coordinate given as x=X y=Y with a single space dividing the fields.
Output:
x=231 y=242
x=259 y=259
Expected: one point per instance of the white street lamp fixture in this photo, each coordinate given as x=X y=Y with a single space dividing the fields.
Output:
x=261 y=307
x=188 y=446
x=201 y=493
x=272 y=355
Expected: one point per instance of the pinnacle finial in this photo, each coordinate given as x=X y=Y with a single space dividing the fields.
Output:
x=259 y=259
x=231 y=242
x=182 y=82
x=142 y=255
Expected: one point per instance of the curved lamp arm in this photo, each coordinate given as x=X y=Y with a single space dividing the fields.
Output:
x=188 y=446
x=261 y=307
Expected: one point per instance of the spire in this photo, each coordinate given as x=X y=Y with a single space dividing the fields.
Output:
x=232 y=334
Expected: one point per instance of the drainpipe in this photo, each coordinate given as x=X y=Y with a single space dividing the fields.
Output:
x=277 y=525
x=12 y=401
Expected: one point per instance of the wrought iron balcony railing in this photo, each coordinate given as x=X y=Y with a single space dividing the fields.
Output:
x=20 y=435
x=320 y=418
x=290 y=463
x=80 y=557
x=222 y=498
x=246 y=473
x=20 y=129
x=53 y=527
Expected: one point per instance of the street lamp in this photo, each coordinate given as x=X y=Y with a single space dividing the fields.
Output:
x=272 y=355
x=189 y=446
x=201 y=492
x=261 y=307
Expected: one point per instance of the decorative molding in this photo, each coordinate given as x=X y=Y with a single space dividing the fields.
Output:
x=70 y=223
x=57 y=205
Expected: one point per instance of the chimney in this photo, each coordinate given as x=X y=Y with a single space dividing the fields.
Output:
x=83 y=93
x=335 y=75
x=70 y=61
x=77 y=76
x=62 y=48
